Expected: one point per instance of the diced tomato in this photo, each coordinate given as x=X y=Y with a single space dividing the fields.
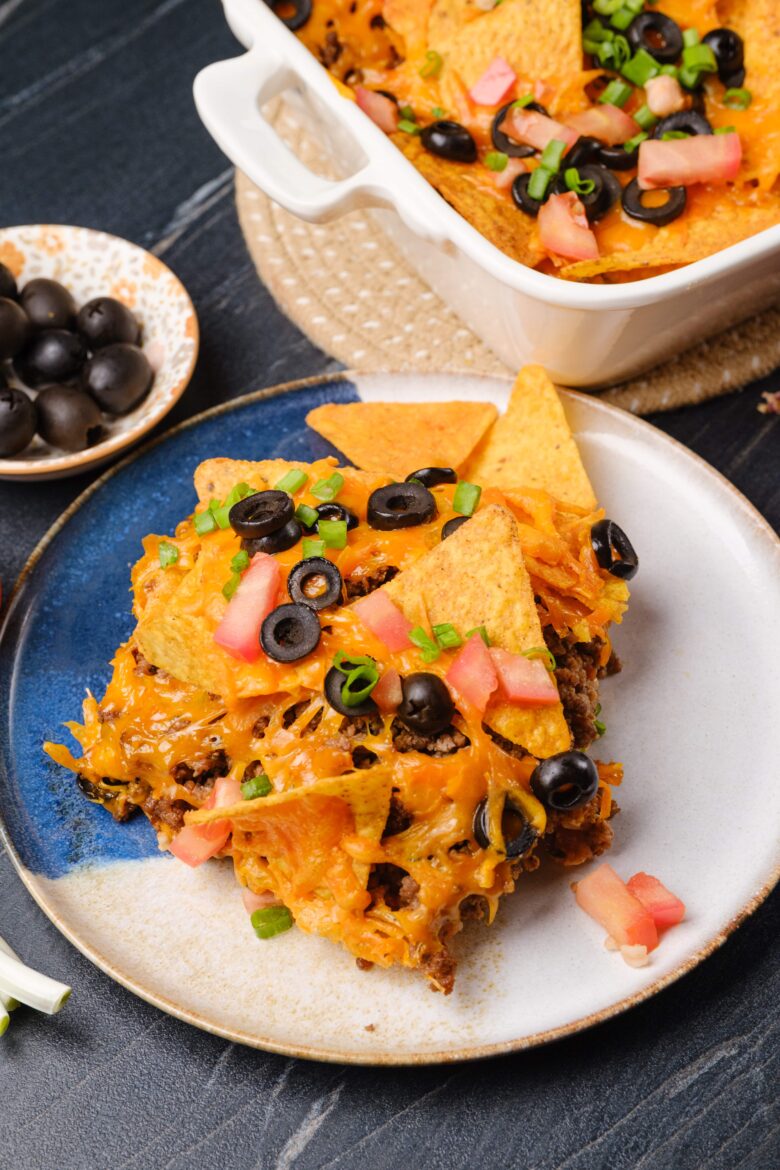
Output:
x=664 y=95
x=666 y=909
x=378 y=613
x=387 y=694
x=239 y=630
x=535 y=129
x=380 y=109
x=262 y=901
x=609 y=124
x=679 y=162
x=523 y=680
x=473 y=673
x=563 y=228
x=606 y=898
x=504 y=179
x=495 y=84
x=195 y=844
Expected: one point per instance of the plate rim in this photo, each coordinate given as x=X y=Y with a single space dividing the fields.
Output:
x=312 y=1052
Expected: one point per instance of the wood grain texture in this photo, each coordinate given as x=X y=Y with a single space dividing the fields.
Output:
x=97 y=127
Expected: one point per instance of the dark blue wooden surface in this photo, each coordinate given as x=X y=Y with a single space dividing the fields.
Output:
x=97 y=127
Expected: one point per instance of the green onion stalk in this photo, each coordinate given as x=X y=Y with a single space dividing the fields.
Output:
x=20 y=983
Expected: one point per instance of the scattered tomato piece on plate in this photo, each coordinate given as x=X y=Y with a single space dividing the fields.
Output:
x=607 y=899
x=665 y=907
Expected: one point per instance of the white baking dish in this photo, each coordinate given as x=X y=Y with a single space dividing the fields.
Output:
x=585 y=335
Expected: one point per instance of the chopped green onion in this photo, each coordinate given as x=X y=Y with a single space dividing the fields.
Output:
x=229 y=588
x=238 y=492
x=617 y=93
x=168 y=553
x=621 y=51
x=311 y=547
x=204 y=522
x=408 y=127
x=596 y=31
x=606 y=53
x=552 y=154
x=447 y=636
x=640 y=68
x=307 y=516
x=21 y=984
x=699 y=58
x=668 y=71
x=408 y=113
x=240 y=561
x=636 y=6
x=222 y=515
x=466 y=496
x=600 y=727
x=438 y=112
x=430 y=650
x=606 y=7
x=591 y=47
x=521 y=102
x=645 y=118
x=333 y=533
x=670 y=135
x=539 y=182
x=256 y=786
x=622 y=18
x=347 y=662
x=359 y=684
x=737 y=99
x=270 y=921
x=292 y=482
x=433 y=64
x=690 y=38
x=726 y=130
x=482 y=633
x=573 y=181
x=328 y=489
x=631 y=145
x=496 y=160
x=541 y=652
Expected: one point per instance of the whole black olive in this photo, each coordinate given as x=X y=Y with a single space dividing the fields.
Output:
x=519 y=836
x=634 y=206
x=449 y=140
x=506 y=144
x=8 y=283
x=17 y=421
x=290 y=632
x=14 y=328
x=315 y=582
x=334 y=685
x=658 y=35
x=566 y=780
x=617 y=158
x=334 y=511
x=68 y=418
x=605 y=194
x=614 y=551
x=118 y=377
x=261 y=513
x=48 y=304
x=301 y=11
x=686 y=121
x=585 y=150
x=400 y=505
x=106 y=321
x=521 y=197
x=53 y=355
x=433 y=476
x=427 y=704
x=275 y=542
x=453 y=525
x=729 y=50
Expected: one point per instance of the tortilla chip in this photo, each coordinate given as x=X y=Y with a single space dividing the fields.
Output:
x=214 y=478
x=409 y=18
x=478 y=578
x=400 y=437
x=531 y=445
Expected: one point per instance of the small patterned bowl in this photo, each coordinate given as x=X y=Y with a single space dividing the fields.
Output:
x=91 y=263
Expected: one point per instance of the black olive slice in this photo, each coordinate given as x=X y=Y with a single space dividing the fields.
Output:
x=333 y=511
x=734 y=80
x=449 y=140
x=334 y=685
x=427 y=705
x=566 y=780
x=400 y=505
x=686 y=121
x=518 y=839
x=605 y=194
x=729 y=50
x=658 y=35
x=634 y=206
x=315 y=582
x=433 y=476
x=8 y=289
x=614 y=551
x=521 y=197
x=274 y=542
x=452 y=526
x=506 y=144
x=290 y=632
x=617 y=158
x=585 y=150
x=293 y=13
x=261 y=513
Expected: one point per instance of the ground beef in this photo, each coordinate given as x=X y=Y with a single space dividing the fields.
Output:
x=474 y=908
x=578 y=835
x=398 y=818
x=446 y=743
x=202 y=773
x=364 y=581
x=358 y=726
x=577 y=673
x=164 y=812
x=364 y=964
x=330 y=51
x=363 y=757
x=393 y=885
x=506 y=745
x=254 y=768
x=261 y=726
x=142 y=667
x=440 y=969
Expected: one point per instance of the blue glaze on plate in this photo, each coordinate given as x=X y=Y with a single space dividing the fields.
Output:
x=75 y=608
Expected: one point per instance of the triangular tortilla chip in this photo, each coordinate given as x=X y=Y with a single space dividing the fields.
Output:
x=214 y=478
x=477 y=578
x=531 y=445
x=401 y=437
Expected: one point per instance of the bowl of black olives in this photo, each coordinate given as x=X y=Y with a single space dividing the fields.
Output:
x=98 y=340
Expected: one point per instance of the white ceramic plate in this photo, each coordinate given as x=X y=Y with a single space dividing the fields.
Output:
x=90 y=264
x=691 y=716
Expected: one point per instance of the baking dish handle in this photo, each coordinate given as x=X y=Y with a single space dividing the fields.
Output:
x=229 y=96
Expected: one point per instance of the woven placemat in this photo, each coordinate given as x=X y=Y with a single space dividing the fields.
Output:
x=351 y=292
